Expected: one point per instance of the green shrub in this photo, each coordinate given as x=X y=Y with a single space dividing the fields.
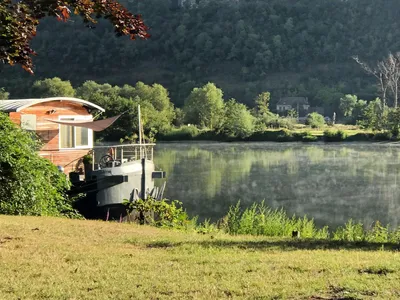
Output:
x=233 y=219
x=185 y=132
x=209 y=135
x=358 y=137
x=285 y=136
x=261 y=220
x=394 y=236
x=395 y=132
x=334 y=136
x=206 y=227
x=87 y=159
x=238 y=121
x=308 y=137
x=315 y=120
x=267 y=135
x=383 y=136
x=378 y=233
x=287 y=123
x=351 y=232
x=161 y=213
x=29 y=184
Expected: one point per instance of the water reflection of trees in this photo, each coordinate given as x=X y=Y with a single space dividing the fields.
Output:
x=329 y=182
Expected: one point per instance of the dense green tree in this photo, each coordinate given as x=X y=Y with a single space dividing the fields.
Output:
x=52 y=88
x=29 y=184
x=205 y=107
x=394 y=121
x=157 y=111
x=315 y=120
x=347 y=104
x=329 y=98
x=238 y=120
x=91 y=89
x=158 y=98
x=262 y=103
x=374 y=115
x=179 y=117
x=358 y=110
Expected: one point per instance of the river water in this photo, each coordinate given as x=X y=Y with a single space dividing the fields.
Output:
x=329 y=182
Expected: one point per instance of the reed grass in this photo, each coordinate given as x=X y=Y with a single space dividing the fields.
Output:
x=259 y=219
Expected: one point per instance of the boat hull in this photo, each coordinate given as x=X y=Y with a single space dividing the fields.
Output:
x=128 y=190
x=110 y=187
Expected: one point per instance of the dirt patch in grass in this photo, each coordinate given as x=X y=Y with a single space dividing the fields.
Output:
x=376 y=271
x=343 y=293
x=162 y=244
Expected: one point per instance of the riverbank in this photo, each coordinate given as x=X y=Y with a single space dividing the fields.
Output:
x=329 y=134
x=53 y=258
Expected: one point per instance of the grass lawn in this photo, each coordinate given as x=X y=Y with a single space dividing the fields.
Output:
x=52 y=258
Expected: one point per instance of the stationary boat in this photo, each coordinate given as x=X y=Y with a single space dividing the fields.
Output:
x=65 y=127
x=117 y=173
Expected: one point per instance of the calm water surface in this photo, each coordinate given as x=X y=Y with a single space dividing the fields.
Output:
x=330 y=182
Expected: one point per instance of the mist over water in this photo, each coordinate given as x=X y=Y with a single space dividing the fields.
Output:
x=329 y=182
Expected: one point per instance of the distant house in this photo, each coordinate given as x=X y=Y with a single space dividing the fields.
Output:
x=50 y=118
x=299 y=104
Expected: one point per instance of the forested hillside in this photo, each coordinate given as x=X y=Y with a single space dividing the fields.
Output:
x=246 y=47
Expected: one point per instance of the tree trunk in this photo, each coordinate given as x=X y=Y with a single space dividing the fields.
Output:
x=384 y=97
x=383 y=89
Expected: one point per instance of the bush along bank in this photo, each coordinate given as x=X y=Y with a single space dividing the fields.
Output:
x=261 y=220
x=192 y=133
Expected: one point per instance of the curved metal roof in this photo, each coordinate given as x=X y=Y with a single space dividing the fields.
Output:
x=16 y=105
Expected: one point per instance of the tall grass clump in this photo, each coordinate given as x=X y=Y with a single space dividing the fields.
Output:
x=334 y=136
x=285 y=136
x=262 y=220
x=383 y=136
x=184 y=132
x=350 y=232
x=309 y=137
x=356 y=232
x=360 y=137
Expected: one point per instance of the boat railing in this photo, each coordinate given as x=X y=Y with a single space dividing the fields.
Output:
x=115 y=155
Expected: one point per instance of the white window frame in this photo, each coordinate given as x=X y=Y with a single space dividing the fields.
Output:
x=76 y=118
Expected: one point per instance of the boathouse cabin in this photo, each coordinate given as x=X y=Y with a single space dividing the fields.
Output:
x=64 y=145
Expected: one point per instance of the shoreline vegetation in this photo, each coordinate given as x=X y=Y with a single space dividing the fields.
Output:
x=330 y=134
x=261 y=220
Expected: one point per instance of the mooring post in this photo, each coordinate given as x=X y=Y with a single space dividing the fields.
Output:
x=141 y=216
x=143 y=178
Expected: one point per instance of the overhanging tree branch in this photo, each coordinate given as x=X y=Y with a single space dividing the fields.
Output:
x=19 y=20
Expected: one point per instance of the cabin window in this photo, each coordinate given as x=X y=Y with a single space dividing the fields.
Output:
x=67 y=136
x=75 y=137
x=82 y=136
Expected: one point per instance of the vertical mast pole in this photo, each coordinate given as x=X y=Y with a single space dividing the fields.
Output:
x=140 y=134
x=140 y=126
